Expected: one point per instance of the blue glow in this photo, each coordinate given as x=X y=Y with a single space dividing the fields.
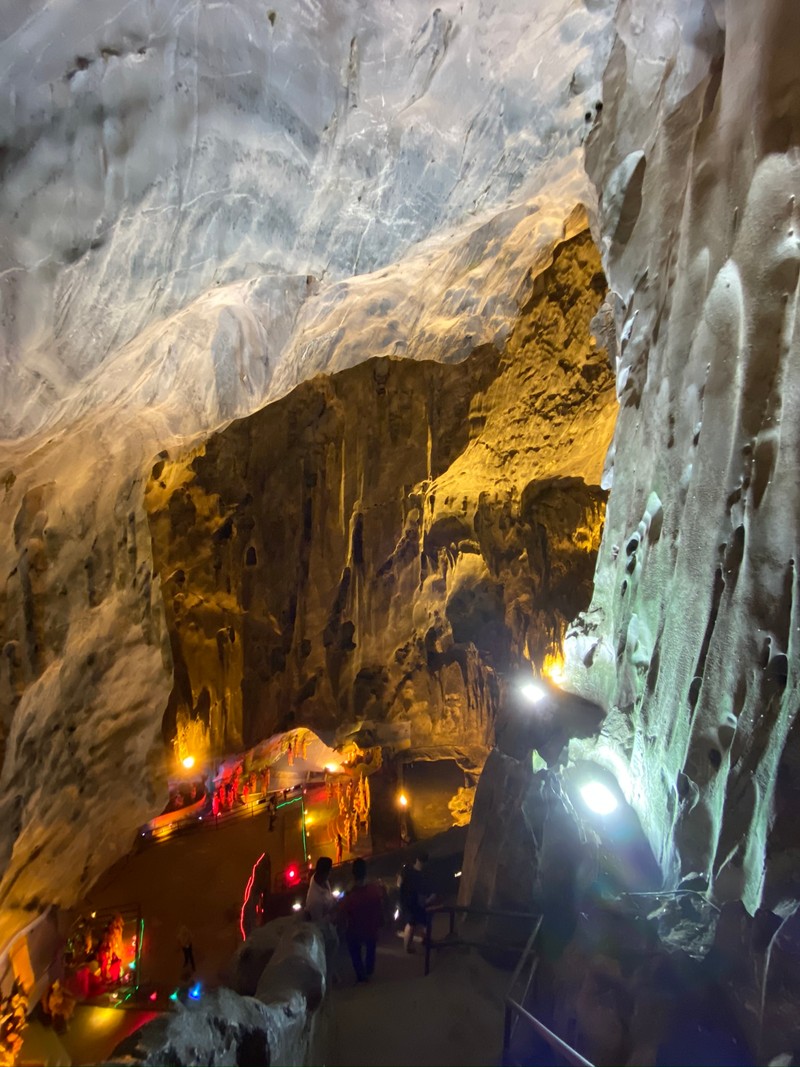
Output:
x=194 y=992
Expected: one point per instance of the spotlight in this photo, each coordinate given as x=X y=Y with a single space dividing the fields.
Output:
x=337 y=893
x=457 y=874
x=331 y=768
x=402 y=800
x=296 y=906
x=598 y=798
x=532 y=692
x=188 y=762
x=396 y=913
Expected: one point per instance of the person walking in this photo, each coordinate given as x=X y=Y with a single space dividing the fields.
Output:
x=361 y=912
x=413 y=898
x=320 y=900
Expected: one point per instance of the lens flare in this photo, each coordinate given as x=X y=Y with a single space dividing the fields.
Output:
x=599 y=798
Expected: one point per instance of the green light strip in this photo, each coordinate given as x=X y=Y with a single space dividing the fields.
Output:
x=286 y=803
x=303 y=825
x=139 y=953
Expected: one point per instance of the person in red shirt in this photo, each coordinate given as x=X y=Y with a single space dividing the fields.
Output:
x=362 y=914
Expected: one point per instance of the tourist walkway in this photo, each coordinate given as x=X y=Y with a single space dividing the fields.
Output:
x=400 y=1018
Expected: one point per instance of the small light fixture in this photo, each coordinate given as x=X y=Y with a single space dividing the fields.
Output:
x=532 y=692
x=402 y=800
x=188 y=762
x=331 y=768
x=599 y=798
x=457 y=874
x=296 y=906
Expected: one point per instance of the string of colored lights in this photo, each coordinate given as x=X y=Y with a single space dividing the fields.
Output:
x=248 y=890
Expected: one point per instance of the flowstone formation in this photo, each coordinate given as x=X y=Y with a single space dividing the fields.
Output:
x=691 y=640
x=382 y=543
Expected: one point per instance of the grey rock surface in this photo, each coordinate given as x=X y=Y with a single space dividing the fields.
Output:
x=690 y=644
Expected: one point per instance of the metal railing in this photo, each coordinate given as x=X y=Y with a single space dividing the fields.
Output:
x=516 y=1012
x=567 y=1052
x=452 y=940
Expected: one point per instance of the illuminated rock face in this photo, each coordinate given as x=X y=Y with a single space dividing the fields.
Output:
x=202 y=206
x=378 y=544
x=222 y=162
x=691 y=641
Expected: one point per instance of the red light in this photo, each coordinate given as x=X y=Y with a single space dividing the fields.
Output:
x=248 y=889
x=154 y=996
x=292 y=875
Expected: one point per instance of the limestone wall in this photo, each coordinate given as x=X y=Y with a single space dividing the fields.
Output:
x=691 y=640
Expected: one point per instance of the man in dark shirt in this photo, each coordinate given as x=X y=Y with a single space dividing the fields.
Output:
x=362 y=914
x=413 y=899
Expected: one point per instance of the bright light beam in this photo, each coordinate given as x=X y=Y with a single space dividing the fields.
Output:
x=532 y=692
x=599 y=798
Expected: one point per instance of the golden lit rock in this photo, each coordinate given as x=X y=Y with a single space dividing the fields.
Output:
x=381 y=544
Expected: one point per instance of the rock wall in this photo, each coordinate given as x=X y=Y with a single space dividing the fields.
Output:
x=691 y=640
x=381 y=542
x=276 y=1014
x=202 y=206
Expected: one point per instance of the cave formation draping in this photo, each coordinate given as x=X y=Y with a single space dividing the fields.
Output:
x=204 y=209
x=384 y=542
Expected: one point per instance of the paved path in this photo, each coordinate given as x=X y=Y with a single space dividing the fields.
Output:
x=403 y=1019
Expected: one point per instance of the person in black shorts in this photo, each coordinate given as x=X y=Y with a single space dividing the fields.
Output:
x=413 y=898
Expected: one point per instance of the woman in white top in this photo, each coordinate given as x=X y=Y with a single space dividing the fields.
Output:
x=320 y=900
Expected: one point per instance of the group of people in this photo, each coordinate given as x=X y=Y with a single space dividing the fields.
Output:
x=360 y=913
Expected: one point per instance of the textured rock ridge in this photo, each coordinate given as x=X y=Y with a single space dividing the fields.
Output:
x=381 y=542
x=691 y=640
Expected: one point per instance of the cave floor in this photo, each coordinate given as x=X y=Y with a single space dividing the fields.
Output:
x=401 y=1017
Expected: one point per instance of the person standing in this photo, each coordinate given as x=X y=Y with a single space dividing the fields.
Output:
x=320 y=900
x=362 y=914
x=185 y=941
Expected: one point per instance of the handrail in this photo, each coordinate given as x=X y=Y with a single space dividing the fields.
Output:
x=553 y=1040
x=461 y=909
x=512 y=1005
x=521 y=962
